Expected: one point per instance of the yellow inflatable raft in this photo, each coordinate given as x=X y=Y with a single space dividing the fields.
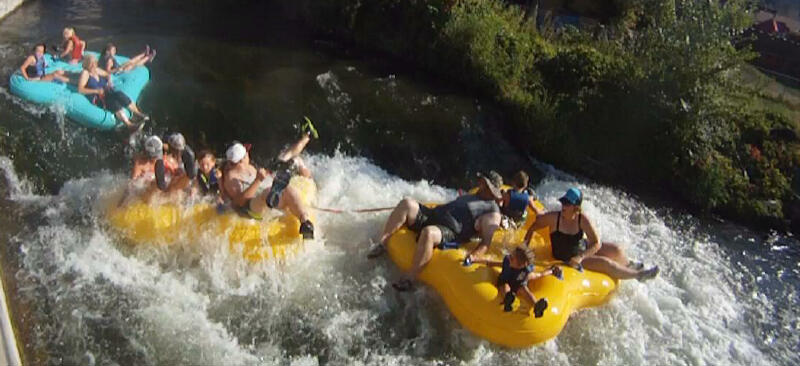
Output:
x=471 y=295
x=166 y=224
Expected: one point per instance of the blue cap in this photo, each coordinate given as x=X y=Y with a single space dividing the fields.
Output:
x=572 y=197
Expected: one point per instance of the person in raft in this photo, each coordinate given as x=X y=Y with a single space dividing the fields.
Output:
x=176 y=170
x=72 y=48
x=94 y=83
x=518 y=199
x=110 y=64
x=209 y=176
x=241 y=181
x=143 y=173
x=446 y=225
x=567 y=229
x=144 y=164
x=517 y=270
x=34 y=67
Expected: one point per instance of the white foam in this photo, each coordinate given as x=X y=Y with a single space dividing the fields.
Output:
x=198 y=303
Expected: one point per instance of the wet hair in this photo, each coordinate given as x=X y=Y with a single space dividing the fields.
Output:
x=44 y=47
x=206 y=152
x=520 y=180
x=108 y=48
x=523 y=255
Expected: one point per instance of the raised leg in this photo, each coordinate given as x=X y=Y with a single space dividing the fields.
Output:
x=486 y=225
x=292 y=203
x=302 y=169
x=295 y=149
x=405 y=213
x=135 y=62
x=428 y=237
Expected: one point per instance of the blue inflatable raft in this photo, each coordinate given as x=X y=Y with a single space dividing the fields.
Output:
x=77 y=106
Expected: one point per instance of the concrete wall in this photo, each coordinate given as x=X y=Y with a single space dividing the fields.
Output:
x=7 y=6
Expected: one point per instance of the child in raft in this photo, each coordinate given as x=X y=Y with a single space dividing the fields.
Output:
x=517 y=271
x=518 y=199
x=209 y=176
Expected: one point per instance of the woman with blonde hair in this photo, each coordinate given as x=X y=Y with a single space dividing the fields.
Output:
x=72 y=48
x=94 y=83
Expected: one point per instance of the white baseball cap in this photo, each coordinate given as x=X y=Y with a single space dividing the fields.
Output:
x=235 y=153
x=154 y=147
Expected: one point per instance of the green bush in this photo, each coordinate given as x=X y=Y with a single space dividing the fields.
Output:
x=656 y=92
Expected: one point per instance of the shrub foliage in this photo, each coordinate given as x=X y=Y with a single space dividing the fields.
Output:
x=651 y=98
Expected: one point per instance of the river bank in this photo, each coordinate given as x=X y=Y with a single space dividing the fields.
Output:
x=653 y=101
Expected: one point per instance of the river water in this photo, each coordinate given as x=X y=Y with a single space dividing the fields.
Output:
x=82 y=295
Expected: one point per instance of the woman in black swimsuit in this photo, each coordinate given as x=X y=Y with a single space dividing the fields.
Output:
x=567 y=230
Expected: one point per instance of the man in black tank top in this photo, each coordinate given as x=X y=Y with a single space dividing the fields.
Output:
x=449 y=224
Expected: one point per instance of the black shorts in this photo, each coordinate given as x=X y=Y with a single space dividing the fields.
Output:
x=564 y=254
x=279 y=182
x=425 y=217
x=514 y=285
x=116 y=100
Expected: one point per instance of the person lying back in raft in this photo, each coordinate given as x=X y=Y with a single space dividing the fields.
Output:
x=176 y=170
x=110 y=64
x=94 y=83
x=34 y=67
x=162 y=171
x=517 y=270
x=457 y=221
x=518 y=199
x=72 y=48
x=567 y=228
x=241 y=182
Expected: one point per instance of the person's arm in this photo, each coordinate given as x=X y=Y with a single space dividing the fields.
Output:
x=234 y=191
x=537 y=275
x=532 y=205
x=542 y=220
x=189 y=163
x=592 y=240
x=82 y=81
x=67 y=49
x=28 y=62
x=161 y=180
x=103 y=73
x=489 y=263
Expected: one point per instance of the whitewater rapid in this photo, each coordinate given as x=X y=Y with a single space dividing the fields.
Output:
x=100 y=300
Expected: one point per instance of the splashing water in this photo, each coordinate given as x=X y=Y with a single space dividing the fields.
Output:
x=99 y=300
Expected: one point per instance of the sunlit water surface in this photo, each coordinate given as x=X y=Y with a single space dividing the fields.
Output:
x=726 y=295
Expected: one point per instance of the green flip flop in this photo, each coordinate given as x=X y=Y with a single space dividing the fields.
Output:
x=308 y=127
